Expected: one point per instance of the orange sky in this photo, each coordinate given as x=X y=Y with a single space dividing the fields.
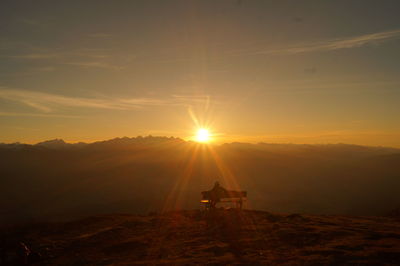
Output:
x=251 y=71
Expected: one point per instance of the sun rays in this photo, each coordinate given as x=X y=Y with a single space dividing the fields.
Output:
x=201 y=160
x=203 y=135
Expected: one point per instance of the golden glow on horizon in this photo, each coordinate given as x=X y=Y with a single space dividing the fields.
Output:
x=203 y=135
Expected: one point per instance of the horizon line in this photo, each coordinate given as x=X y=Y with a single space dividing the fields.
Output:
x=69 y=142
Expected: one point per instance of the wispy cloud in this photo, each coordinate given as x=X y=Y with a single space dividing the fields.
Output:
x=44 y=69
x=33 y=56
x=95 y=64
x=14 y=114
x=192 y=98
x=47 y=102
x=336 y=44
x=52 y=55
x=87 y=58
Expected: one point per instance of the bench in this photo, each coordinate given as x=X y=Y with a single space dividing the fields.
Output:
x=237 y=197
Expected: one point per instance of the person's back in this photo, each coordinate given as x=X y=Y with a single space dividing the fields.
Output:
x=217 y=192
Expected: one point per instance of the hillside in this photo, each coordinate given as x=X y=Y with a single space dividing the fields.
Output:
x=217 y=238
x=58 y=181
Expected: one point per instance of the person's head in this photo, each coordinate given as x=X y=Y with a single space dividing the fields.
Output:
x=216 y=184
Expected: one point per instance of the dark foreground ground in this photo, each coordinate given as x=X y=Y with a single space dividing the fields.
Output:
x=218 y=238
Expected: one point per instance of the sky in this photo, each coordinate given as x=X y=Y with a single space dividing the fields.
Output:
x=250 y=71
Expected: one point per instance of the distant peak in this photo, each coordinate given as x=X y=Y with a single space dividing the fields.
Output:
x=52 y=143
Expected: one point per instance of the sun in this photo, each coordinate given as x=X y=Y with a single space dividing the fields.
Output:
x=203 y=135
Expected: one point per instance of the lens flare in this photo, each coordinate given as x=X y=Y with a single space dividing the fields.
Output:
x=203 y=135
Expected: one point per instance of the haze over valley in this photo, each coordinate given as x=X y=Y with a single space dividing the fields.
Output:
x=55 y=180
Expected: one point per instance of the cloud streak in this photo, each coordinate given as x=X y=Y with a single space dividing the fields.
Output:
x=35 y=56
x=95 y=64
x=47 y=102
x=14 y=114
x=84 y=58
x=337 y=44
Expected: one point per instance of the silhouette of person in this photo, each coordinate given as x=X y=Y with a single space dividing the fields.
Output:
x=216 y=193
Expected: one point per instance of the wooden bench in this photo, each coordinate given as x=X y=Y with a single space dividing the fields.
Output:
x=237 y=197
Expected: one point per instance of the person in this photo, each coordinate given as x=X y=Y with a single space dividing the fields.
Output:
x=216 y=193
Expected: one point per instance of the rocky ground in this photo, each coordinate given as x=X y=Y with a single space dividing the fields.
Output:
x=216 y=238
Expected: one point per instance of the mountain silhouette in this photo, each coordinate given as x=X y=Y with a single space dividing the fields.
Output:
x=54 y=143
x=55 y=180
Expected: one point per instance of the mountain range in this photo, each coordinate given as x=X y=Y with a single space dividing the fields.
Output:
x=55 y=180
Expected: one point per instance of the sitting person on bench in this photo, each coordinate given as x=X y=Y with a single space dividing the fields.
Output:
x=216 y=193
x=219 y=194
